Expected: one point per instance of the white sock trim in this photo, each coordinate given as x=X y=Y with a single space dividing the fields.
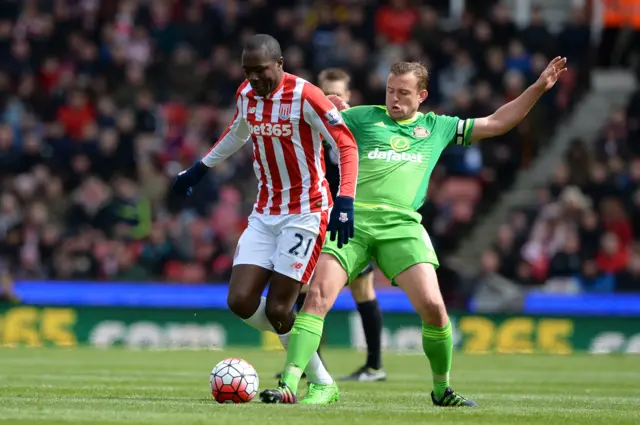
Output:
x=259 y=319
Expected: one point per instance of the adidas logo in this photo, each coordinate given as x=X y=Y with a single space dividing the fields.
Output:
x=380 y=124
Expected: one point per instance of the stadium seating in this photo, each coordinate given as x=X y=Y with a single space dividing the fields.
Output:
x=583 y=233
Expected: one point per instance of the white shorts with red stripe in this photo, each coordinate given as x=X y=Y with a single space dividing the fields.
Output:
x=288 y=244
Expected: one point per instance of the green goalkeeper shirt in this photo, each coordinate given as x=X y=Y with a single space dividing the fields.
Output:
x=398 y=157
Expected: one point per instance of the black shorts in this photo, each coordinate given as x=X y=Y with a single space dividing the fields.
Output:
x=367 y=270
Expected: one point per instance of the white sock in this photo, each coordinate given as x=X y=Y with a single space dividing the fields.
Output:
x=259 y=319
x=315 y=370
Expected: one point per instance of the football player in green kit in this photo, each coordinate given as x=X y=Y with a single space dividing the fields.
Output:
x=335 y=81
x=398 y=149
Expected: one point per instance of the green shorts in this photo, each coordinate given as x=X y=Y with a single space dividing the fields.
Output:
x=395 y=239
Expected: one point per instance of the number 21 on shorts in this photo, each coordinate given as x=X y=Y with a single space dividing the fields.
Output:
x=296 y=248
x=301 y=247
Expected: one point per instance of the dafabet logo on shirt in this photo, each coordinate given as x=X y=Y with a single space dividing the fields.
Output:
x=392 y=155
x=399 y=146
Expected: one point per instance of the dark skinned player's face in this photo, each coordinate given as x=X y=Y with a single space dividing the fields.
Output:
x=264 y=73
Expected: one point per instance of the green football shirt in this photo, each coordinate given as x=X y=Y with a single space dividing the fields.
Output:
x=398 y=157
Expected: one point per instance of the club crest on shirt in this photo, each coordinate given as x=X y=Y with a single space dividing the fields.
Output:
x=421 y=132
x=285 y=111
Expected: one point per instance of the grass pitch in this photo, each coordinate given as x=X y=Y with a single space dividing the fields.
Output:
x=117 y=386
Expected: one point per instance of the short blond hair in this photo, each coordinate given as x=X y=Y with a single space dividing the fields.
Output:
x=334 y=74
x=418 y=69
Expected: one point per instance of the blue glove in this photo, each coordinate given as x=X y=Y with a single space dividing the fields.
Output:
x=185 y=180
x=341 y=220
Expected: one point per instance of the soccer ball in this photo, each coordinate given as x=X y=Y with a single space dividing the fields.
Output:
x=233 y=381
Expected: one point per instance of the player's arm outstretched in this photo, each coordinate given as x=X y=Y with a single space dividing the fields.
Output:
x=324 y=118
x=233 y=138
x=512 y=113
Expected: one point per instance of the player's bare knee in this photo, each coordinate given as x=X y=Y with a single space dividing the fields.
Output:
x=433 y=312
x=318 y=301
x=242 y=305
x=279 y=314
x=245 y=289
x=420 y=283
x=329 y=278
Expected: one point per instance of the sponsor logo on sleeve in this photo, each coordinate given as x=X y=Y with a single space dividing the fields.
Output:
x=333 y=117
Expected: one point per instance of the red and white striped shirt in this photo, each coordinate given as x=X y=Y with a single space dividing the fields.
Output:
x=287 y=128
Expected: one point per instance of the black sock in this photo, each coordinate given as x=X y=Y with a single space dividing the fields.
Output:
x=299 y=304
x=300 y=300
x=372 y=325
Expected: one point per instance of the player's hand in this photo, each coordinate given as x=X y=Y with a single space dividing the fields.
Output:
x=549 y=77
x=185 y=180
x=341 y=220
x=337 y=101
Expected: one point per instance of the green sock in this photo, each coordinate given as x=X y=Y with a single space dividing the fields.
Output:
x=303 y=343
x=437 y=344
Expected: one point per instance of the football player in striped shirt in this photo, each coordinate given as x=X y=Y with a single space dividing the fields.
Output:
x=286 y=119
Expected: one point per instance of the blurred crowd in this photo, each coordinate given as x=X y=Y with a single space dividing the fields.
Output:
x=103 y=102
x=583 y=233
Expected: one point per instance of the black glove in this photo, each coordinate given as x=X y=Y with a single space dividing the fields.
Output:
x=185 y=180
x=341 y=220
